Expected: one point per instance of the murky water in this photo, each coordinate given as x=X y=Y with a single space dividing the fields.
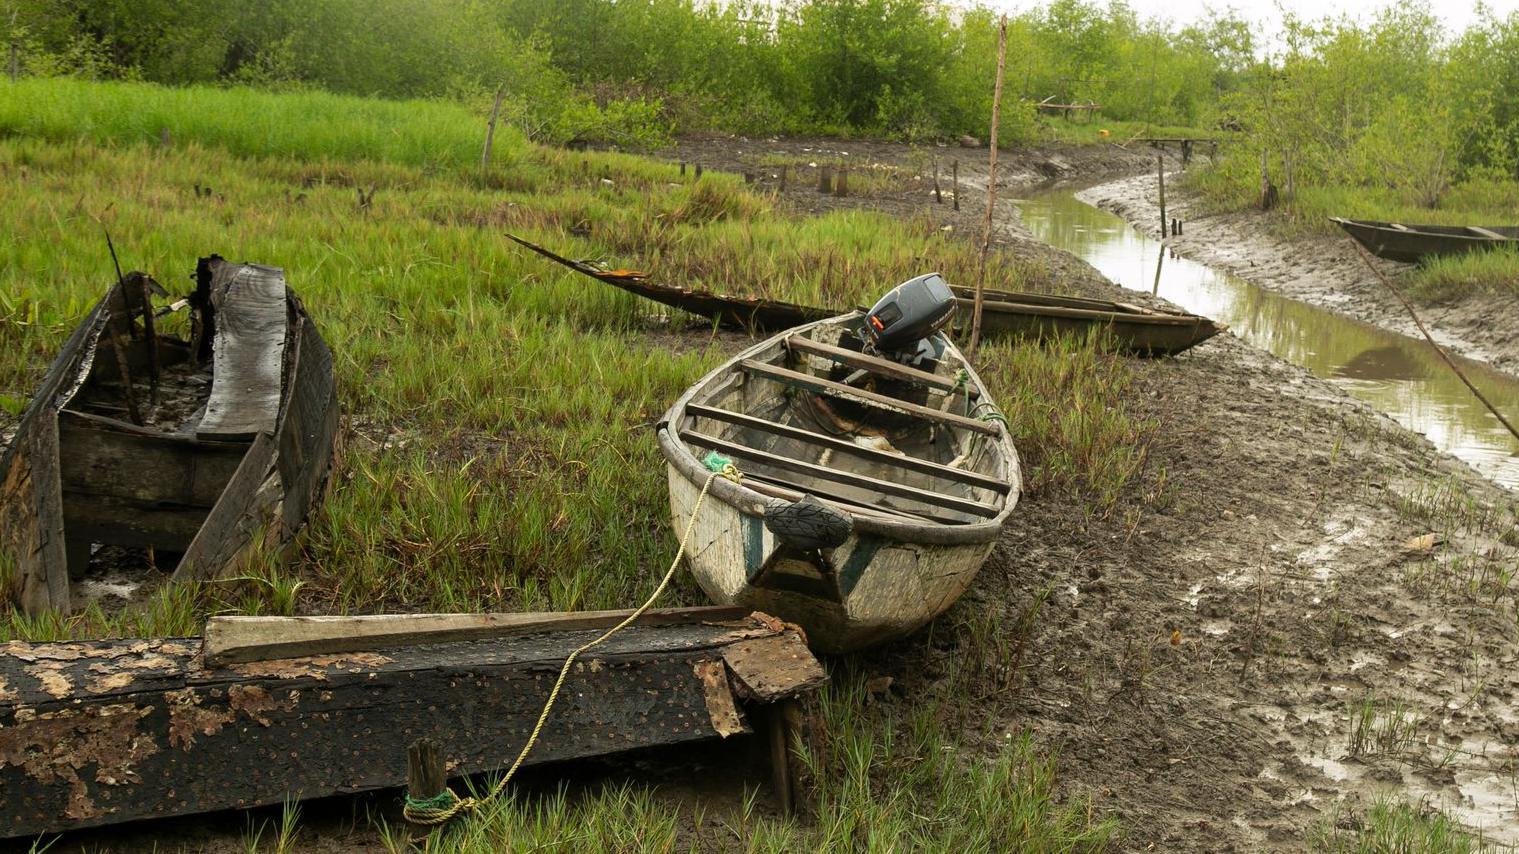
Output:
x=1397 y=374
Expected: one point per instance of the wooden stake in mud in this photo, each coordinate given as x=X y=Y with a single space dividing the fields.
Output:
x=784 y=170
x=938 y=196
x=991 y=185
x=425 y=775
x=954 y=191
x=1160 y=169
x=825 y=179
x=490 y=130
x=841 y=186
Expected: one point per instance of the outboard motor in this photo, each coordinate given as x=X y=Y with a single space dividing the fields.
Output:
x=901 y=323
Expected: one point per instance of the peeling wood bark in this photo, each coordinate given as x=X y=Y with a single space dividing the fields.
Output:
x=99 y=732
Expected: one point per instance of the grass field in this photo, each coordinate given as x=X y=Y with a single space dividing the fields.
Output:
x=497 y=410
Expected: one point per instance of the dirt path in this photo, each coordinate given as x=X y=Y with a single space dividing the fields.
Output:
x=1323 y=271
x=1252 y=655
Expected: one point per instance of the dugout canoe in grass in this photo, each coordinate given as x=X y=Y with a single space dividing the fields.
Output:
x=1131 y=329
x=1413 y=243
x=102 y=732
x=901 y=479
x=152 y=452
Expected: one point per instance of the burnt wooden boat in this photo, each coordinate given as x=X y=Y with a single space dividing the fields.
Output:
x=1412 y=243
x=102 y=732
x=1131 y=329
x=901 y=477
x=183 y=453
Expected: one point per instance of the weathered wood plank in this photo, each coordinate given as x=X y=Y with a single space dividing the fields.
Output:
x=143 y=466
x=876 y=365
x=750 y=422
x=830 y=388
x=308 y=426
x=1487 y=232
x=231 y=640
x=250 y=316
x=246 y=505
x=849 y=478
x=102 y=732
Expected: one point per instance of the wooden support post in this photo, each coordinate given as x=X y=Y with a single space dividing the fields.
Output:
x=784 y=170
x=125 y=372
x=698 y=171
x=938 y=196
x=781 y=779
x=425 y=775
x=825 y=179
x=490 y=130
x=682 y=168
x=991 y=185
x=155 y=362
x=841 y=185
x=748 y=177
x=954 y=192
x=1160 y=164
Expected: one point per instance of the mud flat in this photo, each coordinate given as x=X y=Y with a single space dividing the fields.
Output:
x=1323 y=271
x=1312 y=609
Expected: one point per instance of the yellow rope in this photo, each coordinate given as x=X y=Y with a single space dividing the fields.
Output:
x=427 y=813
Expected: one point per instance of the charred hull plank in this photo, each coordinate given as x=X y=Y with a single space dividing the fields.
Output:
x=100 y=732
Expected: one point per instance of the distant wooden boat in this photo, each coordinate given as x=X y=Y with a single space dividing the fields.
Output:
x=192 y=451
x=1412 y=243
x=1131 y=329
x=871 y=494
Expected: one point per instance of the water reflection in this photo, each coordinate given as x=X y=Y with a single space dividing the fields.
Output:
x=1397 y=374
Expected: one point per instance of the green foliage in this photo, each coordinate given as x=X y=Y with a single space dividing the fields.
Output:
x=629 y=73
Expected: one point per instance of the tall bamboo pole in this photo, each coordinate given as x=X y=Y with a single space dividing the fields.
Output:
x=991 y=184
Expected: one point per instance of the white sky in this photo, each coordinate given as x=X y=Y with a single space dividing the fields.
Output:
x=1267 y=14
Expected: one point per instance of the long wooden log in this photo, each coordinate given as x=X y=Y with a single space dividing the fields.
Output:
x=100 y=732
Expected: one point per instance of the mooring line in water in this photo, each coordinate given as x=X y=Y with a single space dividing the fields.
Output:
x=1365 y=256
x=446 y=804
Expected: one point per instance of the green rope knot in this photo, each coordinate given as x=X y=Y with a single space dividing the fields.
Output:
x=441 y=801
x=719 y=464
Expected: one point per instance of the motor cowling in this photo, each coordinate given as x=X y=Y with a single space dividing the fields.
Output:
x=911 y=312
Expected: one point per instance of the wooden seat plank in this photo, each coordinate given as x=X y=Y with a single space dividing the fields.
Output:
x=248 y=350
x=789 y=490
x=877 y=365
x=1486 y=232
x=885 y=487
x=830 y=388
x=843 y=445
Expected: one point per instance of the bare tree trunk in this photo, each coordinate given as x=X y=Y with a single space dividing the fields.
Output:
x=991 y=185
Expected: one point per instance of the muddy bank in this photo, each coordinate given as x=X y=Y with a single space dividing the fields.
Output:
x=1322 y=271
x=1248 y=654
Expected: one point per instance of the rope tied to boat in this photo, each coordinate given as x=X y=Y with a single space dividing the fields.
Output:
x=991 y=413
x=962 y=385
x=446 y=804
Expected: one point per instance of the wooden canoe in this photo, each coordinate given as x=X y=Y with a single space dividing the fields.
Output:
x=169 y=454
x=1412 y=243
x=1134 y=330
x=913 y=470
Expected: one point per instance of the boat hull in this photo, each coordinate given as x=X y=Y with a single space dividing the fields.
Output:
x=907 y=583
x=1412 y=244
x=208 y=492
x=896 y=566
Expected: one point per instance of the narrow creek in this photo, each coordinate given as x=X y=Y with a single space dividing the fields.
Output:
x=1396 y=374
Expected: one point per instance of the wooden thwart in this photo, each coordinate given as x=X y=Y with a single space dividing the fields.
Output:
x=103 y=732
x=885 y=487
x=876 y=365
x=830 y=388
x=845 y=446
x=1486 y=232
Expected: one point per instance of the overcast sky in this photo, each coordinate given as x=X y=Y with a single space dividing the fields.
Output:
x=1457 y=14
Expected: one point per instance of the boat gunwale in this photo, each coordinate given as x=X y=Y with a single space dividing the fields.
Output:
x=679 y=456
